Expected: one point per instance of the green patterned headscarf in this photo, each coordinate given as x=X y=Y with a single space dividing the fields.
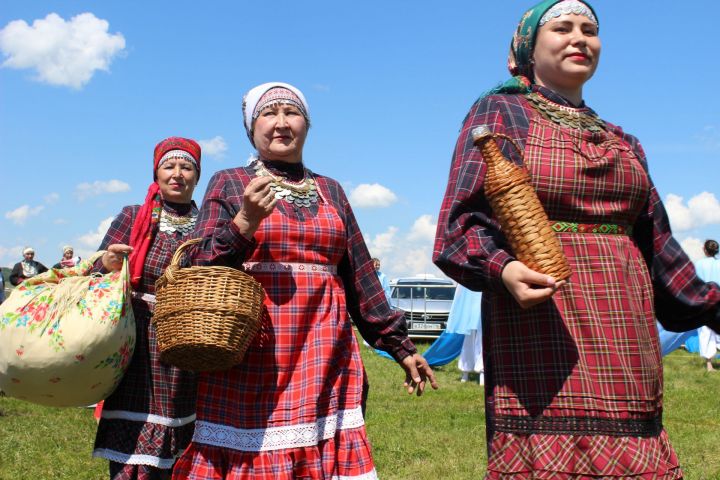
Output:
x=521 y=49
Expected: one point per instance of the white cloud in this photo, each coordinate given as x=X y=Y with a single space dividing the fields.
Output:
x=373 y=195
x=60 y=221
x=215 y=147
x=693 y=247
x=406 y=254
x=52 y=198
x=92 y=239
x=383 y=243
x=10 y=256
x=86 y=190
x=423 y=229
x=701 y=210
x=320 y=87
x=20 y=215
x=66 y=53
x=705 y=209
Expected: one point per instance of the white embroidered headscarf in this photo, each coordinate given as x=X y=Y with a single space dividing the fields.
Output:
x=253 y=96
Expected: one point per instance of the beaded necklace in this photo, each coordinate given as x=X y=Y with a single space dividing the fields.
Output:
x=300 y=194
x=565 y=116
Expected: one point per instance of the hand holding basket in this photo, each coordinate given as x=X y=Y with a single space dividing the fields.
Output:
x=205 y=317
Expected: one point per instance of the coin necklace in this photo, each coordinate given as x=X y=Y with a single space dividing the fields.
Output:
x=565 y=116
x=170 y=223
x=299 y=194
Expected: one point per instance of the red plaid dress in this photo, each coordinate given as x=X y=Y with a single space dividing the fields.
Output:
x=292 y=407
x=148 y=421
x=574 y=385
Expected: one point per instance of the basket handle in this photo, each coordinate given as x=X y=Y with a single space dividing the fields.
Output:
x=175 y=262
x=483 y=131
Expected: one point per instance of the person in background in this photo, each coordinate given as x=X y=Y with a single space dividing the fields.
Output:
x=2 y=287
x=573 y=372
x=382 y=277
x=68 y=260
x=292 y=408
x=708 y=269
x=148 y=420
x=27 y=268
x=465 y=319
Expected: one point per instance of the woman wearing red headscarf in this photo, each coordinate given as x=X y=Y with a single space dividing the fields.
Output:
x=148 y=421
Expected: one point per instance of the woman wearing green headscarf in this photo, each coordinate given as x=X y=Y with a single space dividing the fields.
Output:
x=573 y=370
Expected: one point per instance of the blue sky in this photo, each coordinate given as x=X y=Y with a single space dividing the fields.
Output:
x=88 y=89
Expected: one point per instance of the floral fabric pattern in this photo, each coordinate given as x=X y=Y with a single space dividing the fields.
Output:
x=66 y=337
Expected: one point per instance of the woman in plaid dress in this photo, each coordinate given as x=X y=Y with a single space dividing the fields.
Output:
x=573 y=371
x=148 y=421
x=292 y=409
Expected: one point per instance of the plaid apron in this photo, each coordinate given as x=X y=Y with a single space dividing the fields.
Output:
x=576 y=383
x=292 y=407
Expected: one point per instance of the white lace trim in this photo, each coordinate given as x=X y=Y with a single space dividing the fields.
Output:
x=147 y=418
x=178 y=154
x=566 y=7
x=372 y=475
x=277 y=438
x=134 y=459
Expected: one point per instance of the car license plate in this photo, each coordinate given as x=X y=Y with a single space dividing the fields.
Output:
x=426 y=326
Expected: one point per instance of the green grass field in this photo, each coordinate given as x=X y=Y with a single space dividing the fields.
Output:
x=438 y=436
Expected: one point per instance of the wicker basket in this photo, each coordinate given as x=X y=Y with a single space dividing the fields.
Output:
x=205 y=317
x=518 y=209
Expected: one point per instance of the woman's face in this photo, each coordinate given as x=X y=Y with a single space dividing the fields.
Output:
x=177 y=178
x=279 y=133
x=68 y=254
x=567 y=51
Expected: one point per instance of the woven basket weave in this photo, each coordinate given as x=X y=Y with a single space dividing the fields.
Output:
x=518 y=209
x=205 y=317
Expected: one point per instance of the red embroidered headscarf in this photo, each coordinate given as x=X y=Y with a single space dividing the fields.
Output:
x=145 y=224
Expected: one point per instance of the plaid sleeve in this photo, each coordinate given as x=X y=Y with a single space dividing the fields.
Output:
x=683 y=301
x=222 y=243
x=469 y=246
x=119 y=232
x=367 y=304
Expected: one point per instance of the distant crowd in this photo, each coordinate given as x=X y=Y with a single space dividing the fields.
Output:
x=28 y=267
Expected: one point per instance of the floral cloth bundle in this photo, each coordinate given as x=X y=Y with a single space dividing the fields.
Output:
x=67 y=336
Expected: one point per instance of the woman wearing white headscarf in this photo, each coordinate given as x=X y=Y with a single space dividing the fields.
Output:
x=27 y=268
x=293 y=407
x=68 y=259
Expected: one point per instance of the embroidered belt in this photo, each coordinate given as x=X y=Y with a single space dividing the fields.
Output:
x=289 y=267
x=602 y=228
x=650 y=427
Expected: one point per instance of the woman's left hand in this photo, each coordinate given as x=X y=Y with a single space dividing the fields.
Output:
x=417 y=372
x=112 y=259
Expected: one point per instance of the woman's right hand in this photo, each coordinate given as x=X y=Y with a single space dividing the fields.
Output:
x=258 y=203
x=528 y=287
x=113 y=258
